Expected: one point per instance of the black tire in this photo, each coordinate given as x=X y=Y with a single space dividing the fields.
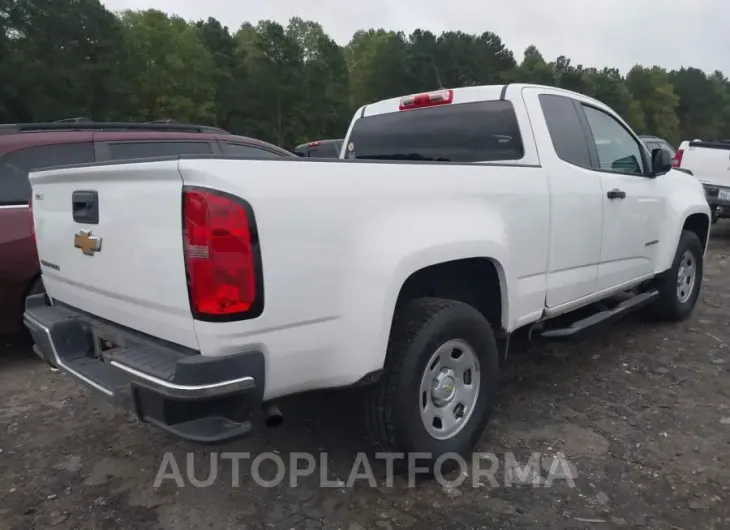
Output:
x=393 y=415
x=668 y=306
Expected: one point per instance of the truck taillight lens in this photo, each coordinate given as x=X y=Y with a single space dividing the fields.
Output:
x=222 y=258
x=677 y=160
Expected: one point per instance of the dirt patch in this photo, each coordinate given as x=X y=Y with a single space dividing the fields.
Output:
x=641 y=412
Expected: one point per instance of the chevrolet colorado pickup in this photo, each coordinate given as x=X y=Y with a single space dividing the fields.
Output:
x=196 y=290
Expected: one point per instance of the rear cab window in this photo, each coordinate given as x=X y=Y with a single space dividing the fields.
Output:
x=478 y=131
x=15 y=166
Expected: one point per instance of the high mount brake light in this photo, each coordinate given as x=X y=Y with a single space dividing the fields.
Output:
x=222 y=257
x=427 y=99
x=312 y=144
x=677 y=160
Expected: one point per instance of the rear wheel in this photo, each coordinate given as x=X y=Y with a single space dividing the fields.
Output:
x=679 y=287
x=439 y=383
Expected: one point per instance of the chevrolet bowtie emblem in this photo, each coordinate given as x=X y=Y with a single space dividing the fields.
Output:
x=87 y=243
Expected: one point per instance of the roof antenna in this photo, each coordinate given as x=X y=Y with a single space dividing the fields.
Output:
x=438 y=77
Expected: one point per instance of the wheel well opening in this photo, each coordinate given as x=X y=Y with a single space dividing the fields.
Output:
x=700 y=225
x=474 y=281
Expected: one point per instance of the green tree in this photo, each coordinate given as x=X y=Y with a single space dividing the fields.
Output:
x=534 y=69
x=169 y=73
x=66 y=58
x=378 y=60
x=467 y=60
x=324 y=100
x=652 y=89
x=702 y=101
x=60 y=58
x=274 y=64
x=229 y=73
x=423 y=71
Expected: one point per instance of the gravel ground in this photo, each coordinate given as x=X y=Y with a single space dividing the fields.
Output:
x=641 y=412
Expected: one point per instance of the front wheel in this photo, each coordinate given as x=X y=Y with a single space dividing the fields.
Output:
x=679 y=287
x=439 y=383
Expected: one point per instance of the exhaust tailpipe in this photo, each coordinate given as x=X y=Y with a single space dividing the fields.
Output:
x=273 y=416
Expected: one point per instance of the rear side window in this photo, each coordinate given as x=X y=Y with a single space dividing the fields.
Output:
x=248 y=151
x=483 y=131
x=566 y=131
x=15 y=166
x=132 y=150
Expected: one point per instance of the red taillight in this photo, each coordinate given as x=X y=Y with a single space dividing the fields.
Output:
x=222 y=259
x=429 y=99
x=677 y=160
x=312 y=144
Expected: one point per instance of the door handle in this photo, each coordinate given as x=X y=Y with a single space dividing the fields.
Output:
x=616 y=194
x=85 y=207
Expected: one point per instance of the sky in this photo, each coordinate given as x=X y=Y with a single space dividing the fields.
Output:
x=615 y=33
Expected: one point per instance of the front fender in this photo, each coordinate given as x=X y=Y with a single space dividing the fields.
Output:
x=400 y=243
x=685 y=197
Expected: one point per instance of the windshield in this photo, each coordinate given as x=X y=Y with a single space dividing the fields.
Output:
x=483 y=131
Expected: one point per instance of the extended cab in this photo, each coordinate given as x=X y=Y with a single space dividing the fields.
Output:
x=195 y=289
x=709 y=162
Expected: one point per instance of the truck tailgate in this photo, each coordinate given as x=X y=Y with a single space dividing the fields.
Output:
x=711 y=165
x=127 y=266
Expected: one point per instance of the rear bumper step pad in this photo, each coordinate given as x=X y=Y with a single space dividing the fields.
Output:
x=197 y=398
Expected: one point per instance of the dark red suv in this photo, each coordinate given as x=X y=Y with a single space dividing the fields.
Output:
x=25 y=147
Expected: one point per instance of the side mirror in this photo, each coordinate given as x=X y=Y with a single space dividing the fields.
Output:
x=661 y=162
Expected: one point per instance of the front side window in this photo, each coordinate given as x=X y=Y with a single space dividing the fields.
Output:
x=617 y=150
x=15 y=166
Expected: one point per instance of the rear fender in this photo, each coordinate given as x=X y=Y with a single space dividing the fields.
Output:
x=417 y=238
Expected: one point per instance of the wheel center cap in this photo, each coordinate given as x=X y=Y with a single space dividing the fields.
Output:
x=444 y=388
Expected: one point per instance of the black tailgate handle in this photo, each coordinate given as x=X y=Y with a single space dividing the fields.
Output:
x=85 y=205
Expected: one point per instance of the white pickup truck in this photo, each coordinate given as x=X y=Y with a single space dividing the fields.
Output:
x=197 y=290
x=709 y=162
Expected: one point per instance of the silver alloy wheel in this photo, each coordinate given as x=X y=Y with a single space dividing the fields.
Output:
x=686 y=276
x=449 y=389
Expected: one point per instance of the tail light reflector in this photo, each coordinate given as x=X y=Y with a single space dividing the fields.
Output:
x=222 y=258
x=677 y=160
x=428 y=99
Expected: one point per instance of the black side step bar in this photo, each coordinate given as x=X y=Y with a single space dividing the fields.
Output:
x=602 y=317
